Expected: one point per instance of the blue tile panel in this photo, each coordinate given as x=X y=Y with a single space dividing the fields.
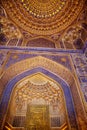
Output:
x=62 y=59
x=80 y=64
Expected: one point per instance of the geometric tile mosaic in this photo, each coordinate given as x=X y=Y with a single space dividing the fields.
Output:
x=80 y=65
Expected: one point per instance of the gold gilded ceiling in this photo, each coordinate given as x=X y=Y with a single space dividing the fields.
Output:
x=43 y=17
x=43 y=8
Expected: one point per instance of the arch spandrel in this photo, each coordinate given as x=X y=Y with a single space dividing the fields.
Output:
x=35 y=62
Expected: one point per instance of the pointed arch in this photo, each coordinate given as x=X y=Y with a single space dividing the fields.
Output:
x=64 y=85
x=55 y=68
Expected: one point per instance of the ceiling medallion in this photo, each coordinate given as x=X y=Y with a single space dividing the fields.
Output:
x=43 y=17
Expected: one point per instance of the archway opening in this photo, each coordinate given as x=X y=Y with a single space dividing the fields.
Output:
x=37 y=102
x=66 y=89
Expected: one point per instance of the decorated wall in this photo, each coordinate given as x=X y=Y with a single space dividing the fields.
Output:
x=43 y=65
x=13 y=63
